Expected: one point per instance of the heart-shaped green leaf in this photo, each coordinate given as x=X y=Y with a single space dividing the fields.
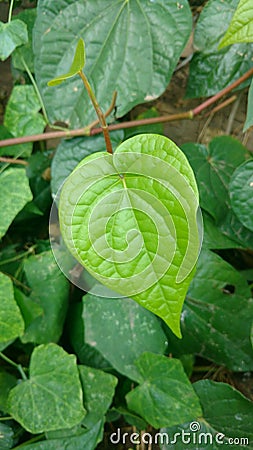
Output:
x=77 y=65
x=130 y=219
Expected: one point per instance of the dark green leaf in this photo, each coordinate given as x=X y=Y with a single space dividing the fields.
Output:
x=144 y=34
x=98 y=391
x=226 y=414
x=30 y=310
x=213 y=237
x=212 y=69
x=12 y=35
x=165 y=395
x=11 y=321
x=70 y=152
x=249 y=118
x=241 y=193
x=134 y=331
x=52 y=397
x=25 y=52
x=6 y=436
x=50 y=291
x=22 y=115
x=14 y=194
x=156 y=128
x=76 y=66
x=216 y=318
x=7 y=382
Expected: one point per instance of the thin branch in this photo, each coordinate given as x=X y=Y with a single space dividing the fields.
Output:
x=12 y=363
x=88 y=131
x=13 y=161
x=10 y=11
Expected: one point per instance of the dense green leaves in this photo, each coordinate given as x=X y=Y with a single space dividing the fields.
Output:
x=22 y=115
x=50 y=292
x=52 y=397
x=155 y=201
x=115 y=59
x=11 y=321
x=241 y=193
x=164 y=395
x=25 y=52
x=14 y=194
x=212 y=69
x=12 y=35
x=216 y=318
x=227 y=415
x=134 y=331
x=241 y=27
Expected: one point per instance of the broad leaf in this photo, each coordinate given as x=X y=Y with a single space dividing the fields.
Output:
x=212 y=69
x=98 y=390
x=25 y=52
x=12 y=35
x=249 y=118
x=76 y=66
x=241 y=27
x=71 y=151
x=216 y=322
x=79 y=438
x=213 y=167
x=165 y=395
x=14 y=194
x=130 y=220
x=11 y=321
x=109 y=67
x=6 y=436
x=134 y=331
x=241 y=193
x=29 y=308
x=50 y=291
x=214 y=239
x=226 y=421
x=52 y=397
x=22 y=116
x=7 y=382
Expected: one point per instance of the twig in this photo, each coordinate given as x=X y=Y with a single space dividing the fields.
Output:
x=222 y=105
x=13 y=161
x=123 y=125
x=232 y=114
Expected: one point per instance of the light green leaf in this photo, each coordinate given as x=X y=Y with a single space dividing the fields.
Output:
x=25 y=51
x=71 y=151
x=14 y=194
x=213 y=167
x=134 y=331
x=52 y=397
x=50 y=291
x=12 y=35
x=11 y=321
x=76 y=66
x=249 y=118
x=109 y=67
x=216 y=322
x=7 y=382
x=165 y=395
x=212 y=69
x=241 y=193
x=98 y=391
x=226 y=414
x=241 y=26
x=130 y=220
x=22 y=115
x=79 y=438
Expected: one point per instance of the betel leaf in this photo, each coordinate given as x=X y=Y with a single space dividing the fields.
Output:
x=11 y=321
x=226 y=421
x=7 y=382
x=72 y=440
x=130 y=220
x=249 y=118
x=98 y=391
x=71 y=151
x=213 y=238
x=213 y=166
x=50 y=291
x=14 y=194
x=22 y=115
x=212 y=69
x=134 y=331
x=76 y=66
x=109 y=67
x=52 y=396
x=25 y=52
x=241 y=193
x=241 y=27
x=165 y=395
x=12 y=35
x=6 y=436
x=217 y=315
